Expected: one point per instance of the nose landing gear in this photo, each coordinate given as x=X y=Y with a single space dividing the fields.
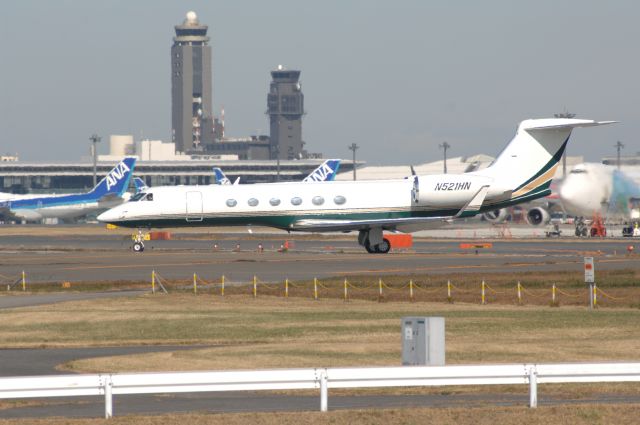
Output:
x=138 y=241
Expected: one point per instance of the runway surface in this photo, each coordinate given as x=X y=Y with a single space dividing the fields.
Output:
x=94 y=258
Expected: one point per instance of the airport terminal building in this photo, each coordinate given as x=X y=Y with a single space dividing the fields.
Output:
x=23 y=177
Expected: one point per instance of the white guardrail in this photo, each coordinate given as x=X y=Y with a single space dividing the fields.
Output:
x=108 y=385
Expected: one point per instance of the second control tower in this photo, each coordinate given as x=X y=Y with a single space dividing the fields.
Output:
x=191 y=91
x=285 y=104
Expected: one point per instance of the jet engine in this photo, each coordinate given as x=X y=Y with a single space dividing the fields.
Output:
x=538 y=216
x=496 y=216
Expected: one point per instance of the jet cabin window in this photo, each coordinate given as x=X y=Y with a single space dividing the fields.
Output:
x=578 y=171
x=339 y=200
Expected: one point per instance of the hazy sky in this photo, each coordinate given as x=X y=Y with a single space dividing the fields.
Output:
x=395 y=77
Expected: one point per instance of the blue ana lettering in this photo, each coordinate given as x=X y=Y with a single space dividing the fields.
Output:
x=321 y=173
x=116 y=175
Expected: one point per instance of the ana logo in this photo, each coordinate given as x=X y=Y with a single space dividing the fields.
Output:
x=320 y=174
x=116 y=175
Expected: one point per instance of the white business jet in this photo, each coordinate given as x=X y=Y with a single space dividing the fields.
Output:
x=522 y=172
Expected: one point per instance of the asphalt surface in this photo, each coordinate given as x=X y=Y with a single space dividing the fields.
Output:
x=100 y=258
x=35 y=361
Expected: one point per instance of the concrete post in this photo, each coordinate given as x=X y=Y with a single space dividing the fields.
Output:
x=533 y=388
x=324 y=393
x=108 y=399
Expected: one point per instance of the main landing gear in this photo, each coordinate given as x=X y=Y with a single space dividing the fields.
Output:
x=373 y=241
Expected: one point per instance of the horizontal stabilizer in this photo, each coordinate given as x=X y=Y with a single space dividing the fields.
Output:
x=562 y=124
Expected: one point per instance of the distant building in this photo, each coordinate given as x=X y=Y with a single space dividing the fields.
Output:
x=191 y=86
x=285 y=103
x=155 y=150
x=21 y=177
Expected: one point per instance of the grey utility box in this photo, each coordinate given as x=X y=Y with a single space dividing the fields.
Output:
x=423 y=341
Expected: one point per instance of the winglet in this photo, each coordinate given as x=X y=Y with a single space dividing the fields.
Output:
x=473 y=206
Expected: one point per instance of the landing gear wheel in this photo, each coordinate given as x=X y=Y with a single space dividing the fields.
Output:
x=138 y=247
x=370 y=249
x=384 y=247
x=381 y=248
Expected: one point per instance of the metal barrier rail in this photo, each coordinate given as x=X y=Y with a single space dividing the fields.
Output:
x=317 y=378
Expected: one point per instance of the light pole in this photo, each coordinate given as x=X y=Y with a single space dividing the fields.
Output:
x=565 y=114
x=94 y=153
x=619 y=145
x=353 y=147
x=444 y=146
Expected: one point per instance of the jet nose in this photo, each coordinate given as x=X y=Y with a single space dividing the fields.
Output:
x=109 y=216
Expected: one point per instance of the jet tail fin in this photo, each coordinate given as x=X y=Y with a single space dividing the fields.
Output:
x=140 y=185
x=116 y=182
x=220 y=177
x=528 y=163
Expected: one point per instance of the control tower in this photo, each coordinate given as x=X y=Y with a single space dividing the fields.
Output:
x=191 y=91
x=285 y=104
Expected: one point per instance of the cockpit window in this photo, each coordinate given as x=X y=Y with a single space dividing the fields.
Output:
x=137 y=197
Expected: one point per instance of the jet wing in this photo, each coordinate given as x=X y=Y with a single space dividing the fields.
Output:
x=405 y=224
x=338 y=225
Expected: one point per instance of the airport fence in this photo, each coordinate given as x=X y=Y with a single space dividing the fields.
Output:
x=322 y=379
x=411 y=291
x=15 y=281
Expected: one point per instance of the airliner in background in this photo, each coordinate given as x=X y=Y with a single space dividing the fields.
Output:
x=597 y=189
x=108 y=193
x=325 y=172
x=521 y=173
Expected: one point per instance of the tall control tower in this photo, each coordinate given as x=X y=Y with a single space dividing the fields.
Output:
x=191 y=91
x=285 y=104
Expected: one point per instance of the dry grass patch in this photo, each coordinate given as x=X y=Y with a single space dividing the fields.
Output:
x=274 y=332
x=567 y=415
